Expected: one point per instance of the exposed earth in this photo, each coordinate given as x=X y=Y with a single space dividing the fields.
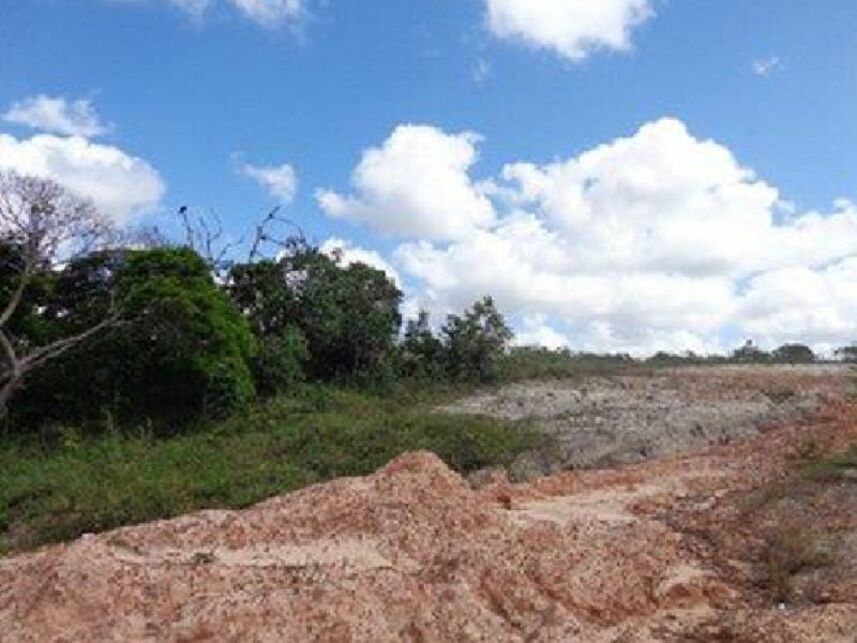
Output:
x=716 y=534
x=604 y=421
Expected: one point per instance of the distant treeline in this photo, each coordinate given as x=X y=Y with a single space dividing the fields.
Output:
x=100 y=330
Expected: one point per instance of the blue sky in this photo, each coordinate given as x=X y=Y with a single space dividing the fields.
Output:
x=202 y=94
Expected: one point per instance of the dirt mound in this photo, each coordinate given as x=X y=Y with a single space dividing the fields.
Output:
x=652 y=551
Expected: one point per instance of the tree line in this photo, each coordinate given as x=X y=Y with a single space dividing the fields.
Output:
x=99 y=328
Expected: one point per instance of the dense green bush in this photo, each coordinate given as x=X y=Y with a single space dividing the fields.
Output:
x=181 y=353
x=279 y=362
x=348 y=316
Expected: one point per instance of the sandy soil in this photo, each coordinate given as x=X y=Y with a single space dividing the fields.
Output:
x=601 y=422
x=671 y=549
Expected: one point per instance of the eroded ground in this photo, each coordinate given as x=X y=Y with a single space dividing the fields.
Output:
x=602 y=421
x=733 y=541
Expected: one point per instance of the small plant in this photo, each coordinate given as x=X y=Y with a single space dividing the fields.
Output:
x=841 y=467
x=790 y=551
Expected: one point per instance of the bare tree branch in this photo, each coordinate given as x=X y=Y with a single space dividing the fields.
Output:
x=17 y=295
x=44 y=226
x=205 y=235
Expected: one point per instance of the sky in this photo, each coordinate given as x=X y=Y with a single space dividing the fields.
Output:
x=622 y=175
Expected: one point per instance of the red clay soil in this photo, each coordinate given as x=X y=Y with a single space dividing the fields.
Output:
x=665 y=550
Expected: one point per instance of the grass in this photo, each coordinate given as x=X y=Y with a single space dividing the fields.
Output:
x=51 y=492
x=802 y=542
x=841 y=467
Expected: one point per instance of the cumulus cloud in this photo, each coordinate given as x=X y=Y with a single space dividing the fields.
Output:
x=656 y=241
x=57 y=115
x=415 y=185
x=119 y=184
x=796 y=303
x=279 y=181
x=349 y=254
x=571 y=28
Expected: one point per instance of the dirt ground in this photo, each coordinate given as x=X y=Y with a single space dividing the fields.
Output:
x=728 y=542
x=602 y=422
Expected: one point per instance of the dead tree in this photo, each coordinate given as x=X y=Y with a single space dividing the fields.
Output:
x=204 y=234
x=44 y=226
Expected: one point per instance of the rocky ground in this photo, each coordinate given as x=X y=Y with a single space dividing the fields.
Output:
x=602 y=422
x=731 y=541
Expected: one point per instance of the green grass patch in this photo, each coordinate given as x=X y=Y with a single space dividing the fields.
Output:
x=841 y=467
x=57 y=489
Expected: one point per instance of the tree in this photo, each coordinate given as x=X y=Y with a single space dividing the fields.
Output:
x=421 y=351
x=262 y=292
x=475 y=341
x=348 y=315
x=42 y=225
x=182 y=352
x=794 y=354
x=749 y=352
x=847 y=354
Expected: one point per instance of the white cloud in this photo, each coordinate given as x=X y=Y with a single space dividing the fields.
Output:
x=272 y=13
x=656 y=241
x=349 y=254
x=571 y=28
x=119 y=184
x=766 y=66
x=538 y=332
x=798 y=303
x=57 y=115
x=415 y=185
x=280 y=181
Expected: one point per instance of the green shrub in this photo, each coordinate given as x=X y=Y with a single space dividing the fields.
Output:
x=182 y=352
x=348 y=315
x=279 y=362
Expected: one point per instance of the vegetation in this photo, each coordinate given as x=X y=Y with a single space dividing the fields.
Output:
x=181 y=353
x=142 y=380
x=527 y=363
x=42 y=226
x=840 y=467
x=58 y=488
